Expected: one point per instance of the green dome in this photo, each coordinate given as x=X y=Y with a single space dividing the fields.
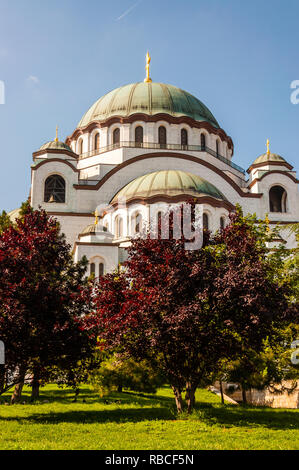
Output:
x=148 y=98
x=90 y=229
x=167 y=183
x=56 y=145
x=271 y=157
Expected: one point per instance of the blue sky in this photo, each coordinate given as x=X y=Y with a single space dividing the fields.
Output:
x=57 y=57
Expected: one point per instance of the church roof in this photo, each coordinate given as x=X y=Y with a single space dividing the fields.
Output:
x=148 y=98
x=96 y=233
x=55 y=145
x=90 y=229
x=269 y=157
x=167 y=183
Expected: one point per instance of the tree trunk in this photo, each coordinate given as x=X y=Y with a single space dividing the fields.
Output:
x=221 y=391
x=178 y=399
x=35 y=385
x=77 y=391
x=2 y=379
x=244 y=398
x=17 y=393
x=190 y=396
x=120 y=389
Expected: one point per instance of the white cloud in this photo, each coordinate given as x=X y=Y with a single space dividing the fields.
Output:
x=33 y=79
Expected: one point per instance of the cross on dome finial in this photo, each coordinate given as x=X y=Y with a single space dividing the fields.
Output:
x=56 y=139
x=267 y=222
x=147 y=68
x=268 y=147
x=96 y=214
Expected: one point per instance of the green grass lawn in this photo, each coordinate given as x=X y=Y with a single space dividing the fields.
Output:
x=126 y=421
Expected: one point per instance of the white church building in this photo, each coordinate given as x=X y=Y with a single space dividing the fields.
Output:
x=151 y=143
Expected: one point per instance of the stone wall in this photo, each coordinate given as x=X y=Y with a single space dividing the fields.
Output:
x=266 y=397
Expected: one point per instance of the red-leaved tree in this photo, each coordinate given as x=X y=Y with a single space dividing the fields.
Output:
x=42 y=301
x=192 y=309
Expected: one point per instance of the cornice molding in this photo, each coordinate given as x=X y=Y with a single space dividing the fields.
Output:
x=263 y=164
x=269 y=173
x=181 y=156
x=64 y=152
x=179 y=198
x=70 y=214
x=95 y=244
x=50 y=160
x=283 y=222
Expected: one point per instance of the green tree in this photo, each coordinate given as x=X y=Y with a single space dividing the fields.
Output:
x=119 y=373
x=272 y=365
x=5 y=221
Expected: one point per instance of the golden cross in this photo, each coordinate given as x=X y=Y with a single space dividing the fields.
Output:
x=56 y=140
x=147 y=68
x=267 y=221
x=268 y=147
x=96 y=214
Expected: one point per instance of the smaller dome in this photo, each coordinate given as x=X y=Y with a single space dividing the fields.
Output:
x=93 y=229
x=96 y=234
x=90 y=229
x=267 y=158
x=167 y=183
x=56 y=145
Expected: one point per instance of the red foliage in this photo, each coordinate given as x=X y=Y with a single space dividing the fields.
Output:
x=191 y=309
x=42 y=294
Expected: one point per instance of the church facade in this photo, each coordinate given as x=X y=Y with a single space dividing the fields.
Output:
x=148 y=145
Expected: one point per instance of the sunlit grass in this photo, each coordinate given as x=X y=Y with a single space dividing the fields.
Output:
x=133 y=421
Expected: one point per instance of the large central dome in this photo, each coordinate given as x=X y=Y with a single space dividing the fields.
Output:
x=167 y=183
x=148 y=98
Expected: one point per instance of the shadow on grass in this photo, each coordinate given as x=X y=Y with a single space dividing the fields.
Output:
x=263 y=417
x=132 y=415
x=66 y=397
x=214 y=415
x=153 y=407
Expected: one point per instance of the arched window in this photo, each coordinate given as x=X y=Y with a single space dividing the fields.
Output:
x=159 y=223
x=162 y=136
x=118 y=226
x=184 y=138
x=116 y=136
x=93 y=269
x=278 y=199
x=101 y=269
x=205 y=221
x=222 y=223
x=80 y=146
x=97 y=141
x=54 y=189
x=139 y=135
x=202 y=141
x=136 y=223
